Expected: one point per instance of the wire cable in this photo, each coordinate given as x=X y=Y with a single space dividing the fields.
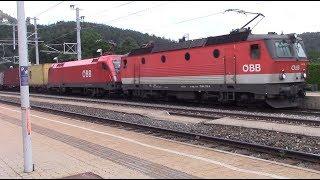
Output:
x=120 y=5
x=49 y=9
x=128 y=15
x=200 y=17
x=186 y=20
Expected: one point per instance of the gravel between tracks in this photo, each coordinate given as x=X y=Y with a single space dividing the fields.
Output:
x=288 y=141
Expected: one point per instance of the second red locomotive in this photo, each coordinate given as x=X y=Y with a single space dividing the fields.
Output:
x=94 y=76
x=240 y=67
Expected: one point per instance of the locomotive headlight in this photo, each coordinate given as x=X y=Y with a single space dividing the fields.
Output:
x=283 y=75
x=304 y=74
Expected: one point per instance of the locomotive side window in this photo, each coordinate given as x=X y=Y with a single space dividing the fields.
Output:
x=255 y=51
x=163 y=59
x=104 y=66
x=299 y=50
x=187 y=56
x=117 y=65
x=125 y=63
x=143 y=61
x=216 y=53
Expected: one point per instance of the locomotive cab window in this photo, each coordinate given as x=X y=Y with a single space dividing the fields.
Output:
x=116 y=64
x=125 y=63
x=104 y=66
x=283 y=49
x=255 y=51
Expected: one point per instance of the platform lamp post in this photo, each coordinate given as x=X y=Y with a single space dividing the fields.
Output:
x=24 y=88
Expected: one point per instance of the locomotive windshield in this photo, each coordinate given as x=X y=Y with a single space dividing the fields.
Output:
x=283 y=49
x=299 y=50
x=287 y=49
x=116 y=64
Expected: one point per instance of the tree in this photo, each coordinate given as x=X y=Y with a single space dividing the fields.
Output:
x=314 y=56
x=127 y=45
x=91 y=42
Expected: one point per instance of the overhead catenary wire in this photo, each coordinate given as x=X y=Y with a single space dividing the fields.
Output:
x=114 y=7
x=128 y=15
x=124 y=4
x=113 y=20
x=187 y=20
x=49 y=9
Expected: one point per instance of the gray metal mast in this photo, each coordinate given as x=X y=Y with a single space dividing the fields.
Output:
x=24 y=88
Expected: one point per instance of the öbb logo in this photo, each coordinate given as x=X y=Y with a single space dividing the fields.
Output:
x=251 y=68
x=86 y=73
x=295 y=67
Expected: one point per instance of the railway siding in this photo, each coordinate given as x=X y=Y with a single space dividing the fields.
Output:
x=311 y=101
x=287 y=128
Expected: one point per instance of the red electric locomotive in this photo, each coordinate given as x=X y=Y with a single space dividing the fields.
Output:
x=96 y=76
x=241 y=67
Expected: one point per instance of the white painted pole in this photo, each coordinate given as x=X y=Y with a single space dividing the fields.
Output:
x=36 y=40
x=24 y=88
x=78 y=34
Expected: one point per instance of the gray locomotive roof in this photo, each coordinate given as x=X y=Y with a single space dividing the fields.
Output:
x=266 y=36
x=213 y=40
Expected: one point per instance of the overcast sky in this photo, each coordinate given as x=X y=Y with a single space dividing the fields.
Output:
x=162 y=17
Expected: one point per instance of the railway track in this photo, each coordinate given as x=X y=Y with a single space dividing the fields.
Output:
x=149 y=129
x=299 y=116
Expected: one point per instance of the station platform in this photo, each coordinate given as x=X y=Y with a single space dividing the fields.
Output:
x=311 y=101
x=64 y=147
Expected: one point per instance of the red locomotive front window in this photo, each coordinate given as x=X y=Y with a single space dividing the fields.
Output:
x=299 y=50
x=117 y=65
x=283 y=49
x=286 y=49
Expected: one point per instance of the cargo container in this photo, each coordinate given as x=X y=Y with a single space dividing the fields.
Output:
x=11 y=78
x=38 y=76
